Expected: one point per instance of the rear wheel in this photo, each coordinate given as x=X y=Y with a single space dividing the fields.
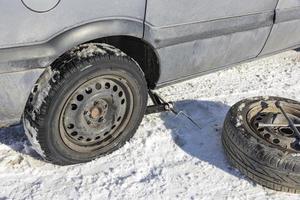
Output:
x=87 y=105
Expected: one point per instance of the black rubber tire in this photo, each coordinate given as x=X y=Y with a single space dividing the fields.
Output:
x=45 y=102
x=256 y=158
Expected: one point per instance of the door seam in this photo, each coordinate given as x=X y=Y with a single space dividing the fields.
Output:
x=274 y=20
x=144 y=20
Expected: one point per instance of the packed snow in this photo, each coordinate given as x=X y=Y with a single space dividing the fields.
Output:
x=169 y=157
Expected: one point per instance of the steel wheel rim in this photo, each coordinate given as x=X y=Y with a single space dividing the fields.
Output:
x=281 y=137
x=96 y=113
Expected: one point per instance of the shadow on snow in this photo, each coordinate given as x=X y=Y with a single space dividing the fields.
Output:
x=15 y=138
x=202 y=143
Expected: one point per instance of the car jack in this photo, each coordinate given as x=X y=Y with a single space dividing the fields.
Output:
x=160 y=105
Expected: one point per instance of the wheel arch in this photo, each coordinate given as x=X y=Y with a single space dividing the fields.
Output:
x=140 y=50
x=123 y=34
x=127 y=35
x=119 y=32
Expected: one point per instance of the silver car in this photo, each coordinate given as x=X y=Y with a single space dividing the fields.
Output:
x=78 y=73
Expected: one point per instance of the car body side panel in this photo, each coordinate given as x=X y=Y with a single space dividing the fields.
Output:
x=167 y=36
x=204 y=55
x=30 y=40
x=161 y=13
x=286 y=31
x=20 y=26
x=286 y=4
x=207 y=34
x=14 y=93
x=42 y=55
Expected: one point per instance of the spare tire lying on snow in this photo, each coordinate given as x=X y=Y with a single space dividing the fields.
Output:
x=259 y=143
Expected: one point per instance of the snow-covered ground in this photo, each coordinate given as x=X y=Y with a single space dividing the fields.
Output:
x=169 y=157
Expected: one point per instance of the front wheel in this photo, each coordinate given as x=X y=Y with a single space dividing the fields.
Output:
x=86 y=107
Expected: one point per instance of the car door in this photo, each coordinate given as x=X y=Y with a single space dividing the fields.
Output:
x=197 y=36
x=286 y=31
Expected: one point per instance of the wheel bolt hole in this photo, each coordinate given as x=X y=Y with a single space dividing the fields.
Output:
x=267 y=136
x=120 y=94
x=74 y=133
x=80 y=138
x=80 y=97
x=276 y=141
x=287 y=131
x=123 y=101
x=261 y=129
x=98 y=86
x=107 y=85
x=106 y=133
x=115 y=88
x=73 y=106
x=97 y=138
x=88 y=139
x=259 y=118
x=119 y=118
x=114 y=126
x=88 y=90
x=70 y=126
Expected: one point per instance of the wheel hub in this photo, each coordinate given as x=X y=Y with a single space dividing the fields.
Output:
x=278 y=132
x=94 y=114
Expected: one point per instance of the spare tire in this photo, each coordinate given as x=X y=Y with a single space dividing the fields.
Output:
x=268 y=155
